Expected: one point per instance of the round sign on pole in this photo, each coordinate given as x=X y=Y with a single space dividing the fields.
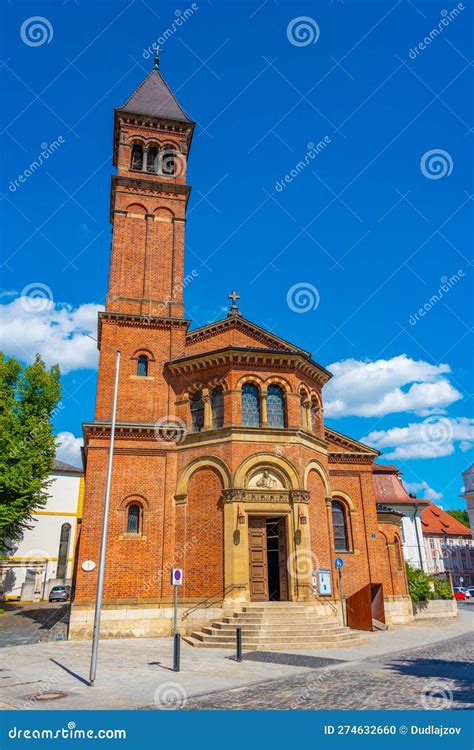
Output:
x=339 y=562
x=176 y=576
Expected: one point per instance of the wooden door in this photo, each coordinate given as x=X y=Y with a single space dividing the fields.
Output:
x=258 y=572
x=282 y=561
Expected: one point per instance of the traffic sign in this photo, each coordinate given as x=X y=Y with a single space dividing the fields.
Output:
x=176 y=576
x=339 y=562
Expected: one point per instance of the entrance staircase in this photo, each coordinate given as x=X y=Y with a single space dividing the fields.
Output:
x=276 y=626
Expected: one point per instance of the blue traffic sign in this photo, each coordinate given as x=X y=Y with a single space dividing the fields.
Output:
x=339 y=562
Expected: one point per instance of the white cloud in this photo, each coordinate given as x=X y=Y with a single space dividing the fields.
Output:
x=56 y=331
x=465 y=446
x=69 y=448
x=432 y=438
x=386 y=386
x=423 y=490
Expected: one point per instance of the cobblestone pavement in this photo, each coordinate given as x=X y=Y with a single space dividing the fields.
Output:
x=24 y=624
x=422 y=678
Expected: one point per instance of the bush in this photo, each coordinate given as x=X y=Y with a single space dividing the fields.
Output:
x=420 y=586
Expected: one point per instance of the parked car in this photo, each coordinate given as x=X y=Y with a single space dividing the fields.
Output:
x=60 y=594
x=461 y=594
x=471 y=591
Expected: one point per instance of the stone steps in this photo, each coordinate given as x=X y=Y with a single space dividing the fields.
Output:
x=277 y=627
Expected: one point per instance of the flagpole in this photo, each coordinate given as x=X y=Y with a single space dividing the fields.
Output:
x=103 y=543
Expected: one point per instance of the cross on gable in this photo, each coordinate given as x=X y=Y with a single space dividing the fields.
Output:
x=234 y=296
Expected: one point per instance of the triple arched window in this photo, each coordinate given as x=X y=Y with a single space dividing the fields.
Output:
x=154 y=160
x=340 y=527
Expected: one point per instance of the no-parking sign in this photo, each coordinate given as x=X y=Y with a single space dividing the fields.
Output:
x=176 y=576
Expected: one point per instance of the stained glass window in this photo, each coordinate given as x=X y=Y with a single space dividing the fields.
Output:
x=217 y=402
x=133 y=519
x=142 y=366
x=197 y=412
x=250 y=405
x=341 y=542
x=276 y=406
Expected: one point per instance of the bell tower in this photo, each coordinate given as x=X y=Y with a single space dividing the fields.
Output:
x=152 y=136
x=144 y=313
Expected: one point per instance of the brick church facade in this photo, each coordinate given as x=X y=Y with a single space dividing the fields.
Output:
x=222 y=464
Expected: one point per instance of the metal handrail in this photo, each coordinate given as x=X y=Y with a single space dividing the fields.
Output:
x=213 y=599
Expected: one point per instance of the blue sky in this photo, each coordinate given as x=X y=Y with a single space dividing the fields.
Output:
x=376 y=222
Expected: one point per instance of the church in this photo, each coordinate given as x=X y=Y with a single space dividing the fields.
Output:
x=223 y=465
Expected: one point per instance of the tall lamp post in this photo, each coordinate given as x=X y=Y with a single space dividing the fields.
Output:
x=103 y=543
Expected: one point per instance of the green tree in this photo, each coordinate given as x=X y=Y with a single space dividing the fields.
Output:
x=461 y=516
x=29 y=397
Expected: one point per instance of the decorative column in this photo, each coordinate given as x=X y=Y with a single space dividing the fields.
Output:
x=263 y=409
x=145 y=160
x=236 y=564
x=206 y=397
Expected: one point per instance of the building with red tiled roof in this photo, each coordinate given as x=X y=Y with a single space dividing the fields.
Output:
x=390 y=491
x=448 y=544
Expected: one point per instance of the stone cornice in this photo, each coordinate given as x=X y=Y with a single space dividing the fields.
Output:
x=349 y=458
x=238 y=495
x=233 y=355
x=349 y=443
x=136 y=320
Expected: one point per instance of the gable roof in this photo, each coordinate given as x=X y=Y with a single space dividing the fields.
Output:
x=239 y=323
x=434 y=520
x=348 y=444
x=154 y=97
x=389 y=488
x=60 y=467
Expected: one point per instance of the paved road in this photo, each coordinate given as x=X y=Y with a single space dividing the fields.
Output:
x=439 y=677
x=24 y=624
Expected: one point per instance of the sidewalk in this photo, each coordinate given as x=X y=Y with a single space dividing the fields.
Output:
x=136 y=673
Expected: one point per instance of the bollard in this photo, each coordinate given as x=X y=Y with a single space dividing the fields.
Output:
x=176 y=652
x=238 y=633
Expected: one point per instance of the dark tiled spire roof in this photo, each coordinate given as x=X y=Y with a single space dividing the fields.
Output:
x=154 y=97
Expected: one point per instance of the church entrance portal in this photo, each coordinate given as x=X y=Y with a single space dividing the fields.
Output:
x=268 y=559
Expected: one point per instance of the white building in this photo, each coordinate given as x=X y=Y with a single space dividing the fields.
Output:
x=390 y=491
x=468 y=494
x=45 y=556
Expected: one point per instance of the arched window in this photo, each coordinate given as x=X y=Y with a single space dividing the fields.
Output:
x=250 y=405
x=197 y=412
x=315 y=415
x=152 y=160
x=133 y=519
x=217 y=403
x=339 y=525
x=64 y=537
x=142 y=365
x=137 y=157
x=168 y=162
x=276 y=406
